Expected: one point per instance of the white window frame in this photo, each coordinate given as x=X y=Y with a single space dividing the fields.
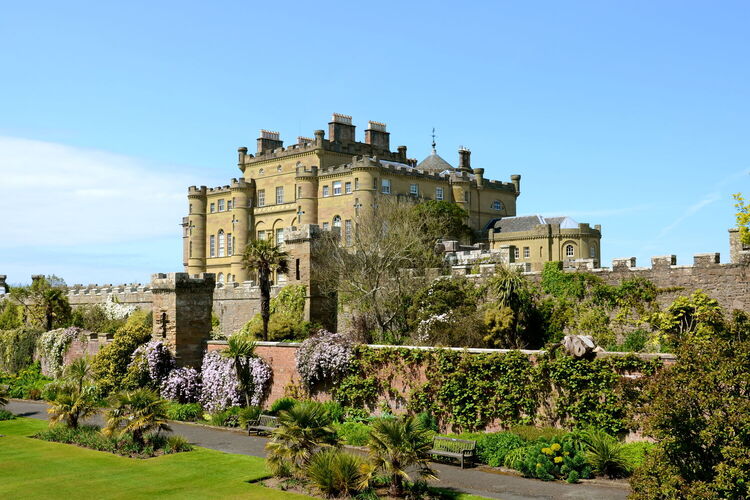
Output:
x=279 y=195
x=336 y=188
x=570 y=250
x=439 y=194
x=497 y=205
x=348 y=232
x=414 y=189
x=212 y=246
x=279 y=236
x=516 y=253
x=213 y=207
x=385 y=186
x=326 y=226
x=337 y=221
x=325 y=191
x=261 y=197
x=221 y=205
x=348 y=187
x=222 y=242
x=526 y=252
x=230 y=246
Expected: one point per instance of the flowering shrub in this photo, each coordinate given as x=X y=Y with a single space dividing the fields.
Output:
x=116 y=311
x=182 y=385
x=53 y=345
x=324 y=357
x=153 y=358
x=559 y=459
x=221 y=388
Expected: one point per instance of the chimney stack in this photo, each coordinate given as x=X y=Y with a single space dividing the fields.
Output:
x=268 y=141
x=376 y=135
x=464 y=159
x=340 y=129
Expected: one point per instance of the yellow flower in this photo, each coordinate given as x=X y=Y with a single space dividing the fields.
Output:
x=566 y=453
x=547 y=451
x=555 y=446
x=538 y=465
x=558 y=460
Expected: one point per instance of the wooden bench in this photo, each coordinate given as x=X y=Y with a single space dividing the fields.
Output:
x=264 y=423
x=461 y=449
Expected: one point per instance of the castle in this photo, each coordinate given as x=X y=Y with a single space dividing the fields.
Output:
x=331 y=183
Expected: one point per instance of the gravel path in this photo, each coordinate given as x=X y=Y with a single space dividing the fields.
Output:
x=476 y=481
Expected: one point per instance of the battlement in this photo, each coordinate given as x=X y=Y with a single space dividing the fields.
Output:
x=219 y=189
x=241 y=184
x=170 y=281
x=194 y=191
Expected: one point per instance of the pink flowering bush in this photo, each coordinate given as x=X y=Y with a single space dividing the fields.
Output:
x=182 y=385
x=220 y=386
x=153 y=358
x=324 y=357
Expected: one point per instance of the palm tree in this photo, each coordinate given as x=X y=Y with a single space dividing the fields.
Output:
x=302 y=429
x=265 y=258
x=397 y=444
x=71 y=404
x=78 y=372
x=137 y=412
x=239 y=349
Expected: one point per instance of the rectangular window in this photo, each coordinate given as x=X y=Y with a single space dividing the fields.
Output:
x=261 y=197
x=279 y=195
x=375 y=183
x=230 y=204
x=280 y=236
x=299 y=191
x=336 y=188
x=348 y=232
x=356 y=183
x=296 y=267
x=439 y=193
x=213 y=207
x=515 y=252
x=221 y=243
x=386 y=186
x=212 y=245
x=467 y=196
x=325 y=191
x=230 y=245
x=326 y=225
x=221 y=205
x=261 y=235
x=414 y=189
x=526 y=252
x=348 y=188
x=356 y=206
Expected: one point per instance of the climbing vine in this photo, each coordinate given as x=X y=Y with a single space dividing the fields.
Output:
x=53 y=346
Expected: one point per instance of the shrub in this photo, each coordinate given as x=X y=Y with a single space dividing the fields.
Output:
x=604 y=453
x=287 y=321
x=335 y=473
x=427 y=421
x=53 y=345
x=6 y=415
x=353 y=433
x=111 y=362
x=28 y=383
x=549 y=461
x=187 y=412
x=182 y=385
x=151 y=364
x=176 y=444
x=226 y=418
x=17 y=347
x=282 y=404
x=220 y=388
x=324 y=358
x=635 y=453
x=335 y=411
x=493 y=448
x=246 y=416
x=136 y=413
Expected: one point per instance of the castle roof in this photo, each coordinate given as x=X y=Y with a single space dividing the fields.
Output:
x=529 y=222
x=434 y=163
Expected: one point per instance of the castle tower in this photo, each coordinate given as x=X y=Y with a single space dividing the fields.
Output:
x=307 y=194
x=196 y=230
x=365 y=171
x=181 y=308
x=243 y=193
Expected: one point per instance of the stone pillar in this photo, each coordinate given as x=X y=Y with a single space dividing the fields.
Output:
x=182 y=313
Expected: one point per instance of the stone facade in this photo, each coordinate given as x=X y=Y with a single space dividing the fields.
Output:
x=181 y=307
x=326 y=182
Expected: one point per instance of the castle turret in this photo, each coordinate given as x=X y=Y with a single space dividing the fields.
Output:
x=196 y=230
x=365 y=171
x=307 y=194
x=243 y=193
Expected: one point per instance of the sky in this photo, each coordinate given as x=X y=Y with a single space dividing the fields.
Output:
x=633 y=115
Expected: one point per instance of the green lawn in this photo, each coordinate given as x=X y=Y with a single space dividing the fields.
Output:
x=30 y=468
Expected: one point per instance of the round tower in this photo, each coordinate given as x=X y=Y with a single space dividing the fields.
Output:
x=196 y=230
x=243 y=193
x=307 y=195
x=365 y=170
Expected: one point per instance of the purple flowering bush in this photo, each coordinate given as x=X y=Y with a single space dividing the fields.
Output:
x=221 y=388
x=182 y=385
x=153 y=358
x=324 y=357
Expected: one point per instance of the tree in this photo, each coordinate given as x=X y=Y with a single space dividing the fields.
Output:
x=239 y=350
x=398 y=444
x=442 y=219
x=265 y=258
x=45 y=302
x=72 y=404
x=303 y=428
x=78 y=372
x=698 y=410
x=743 y=218
x=137 y=412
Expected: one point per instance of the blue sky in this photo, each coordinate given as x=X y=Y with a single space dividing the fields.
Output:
x=633 y=115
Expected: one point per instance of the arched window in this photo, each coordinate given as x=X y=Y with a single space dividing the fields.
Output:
x=222 y=243
x=569 y=251
x=220 y=278
x=229 y=278
x=337 y=221
x=592 y=251
x=497 y=205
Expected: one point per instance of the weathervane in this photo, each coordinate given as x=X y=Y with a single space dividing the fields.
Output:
x=433 y=140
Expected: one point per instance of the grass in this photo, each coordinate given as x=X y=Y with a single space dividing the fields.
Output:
x=32 y=468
